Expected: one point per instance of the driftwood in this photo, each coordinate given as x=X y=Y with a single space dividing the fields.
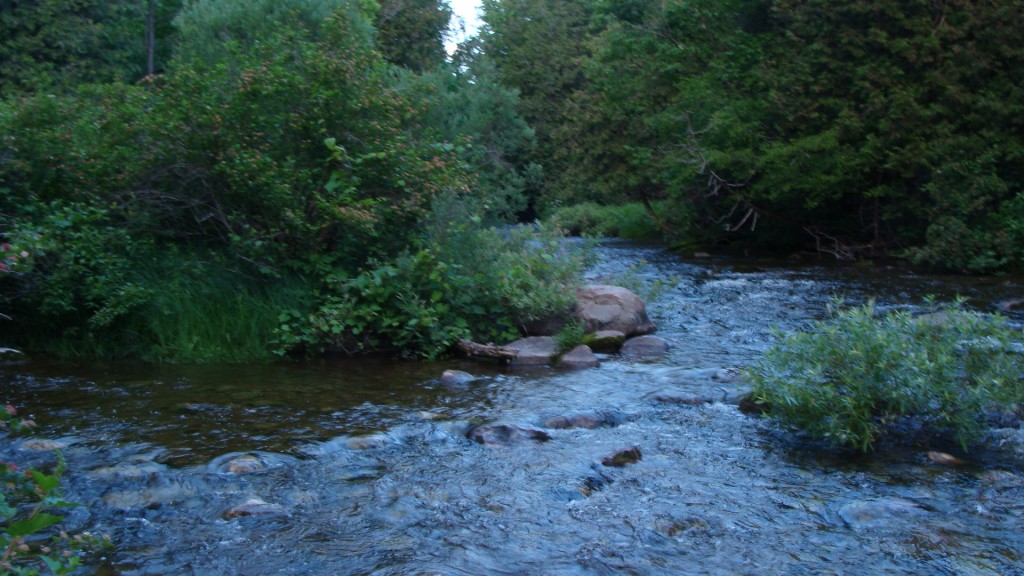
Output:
x=470 y=348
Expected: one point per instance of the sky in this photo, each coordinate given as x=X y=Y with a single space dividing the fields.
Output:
x=465 y=9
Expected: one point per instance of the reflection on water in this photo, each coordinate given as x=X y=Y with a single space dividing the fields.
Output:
x=345 y=466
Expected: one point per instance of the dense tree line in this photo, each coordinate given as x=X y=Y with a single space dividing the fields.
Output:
x=198 y=179
x=859 y=127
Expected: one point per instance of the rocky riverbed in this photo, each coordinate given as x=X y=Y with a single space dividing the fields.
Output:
x=642 y=465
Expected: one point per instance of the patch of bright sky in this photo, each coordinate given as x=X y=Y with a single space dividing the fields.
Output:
x=467 y=11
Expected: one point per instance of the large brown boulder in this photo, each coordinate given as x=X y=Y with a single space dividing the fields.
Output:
x=602 y=307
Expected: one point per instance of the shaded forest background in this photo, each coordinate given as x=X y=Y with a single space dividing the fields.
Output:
x=224 y=180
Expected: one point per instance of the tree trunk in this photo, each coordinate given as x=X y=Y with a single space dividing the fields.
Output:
x=150 y=38
x=470 y=348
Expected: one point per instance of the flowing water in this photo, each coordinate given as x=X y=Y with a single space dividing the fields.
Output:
x=363 y=466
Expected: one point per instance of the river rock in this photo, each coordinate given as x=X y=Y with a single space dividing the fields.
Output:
x=749 y=405
x=128 y=471
x=684 y=399
x=534 y=351
x=579 y=357
x=369 y=441
x=456 y=377
x=588 y=420
x=944 y=459
x=245 y=464
x=45 y=444
x=879 y=513
x=645 y=346
x=601 y=307
x=239 y=463
x=505 y=434
x=727 y=375
x=623 y=457
x=167 y=493
x=1008 y=305
x=255 y=507
x=605 y=340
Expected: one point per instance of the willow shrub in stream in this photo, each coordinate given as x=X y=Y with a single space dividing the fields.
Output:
x=852 y=378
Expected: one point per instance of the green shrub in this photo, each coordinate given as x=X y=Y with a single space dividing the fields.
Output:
x=470 y=282
x=624 y=221
x=850 y=379
x=570 y=336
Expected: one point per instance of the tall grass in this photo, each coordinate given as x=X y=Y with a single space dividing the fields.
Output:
x=198 y=309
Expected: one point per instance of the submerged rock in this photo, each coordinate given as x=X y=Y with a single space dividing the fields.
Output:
x=944 y=459
x=727 y=375
x=369 y=442
x=601 y=307
x=685 y=400
x=505 y=434
x=623 y=457
x=456 y=377
x=880 y=513
x=46 y=444
x=534 y=351
x=161 y=493
x=254 y=507
x=645 y=346
x=1008 y=305
x=247 y=463
x=128 y=471
x=579 y=357
x=588 y=420
x=749 y=405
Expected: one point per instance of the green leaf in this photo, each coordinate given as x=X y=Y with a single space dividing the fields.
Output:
x=32 y=524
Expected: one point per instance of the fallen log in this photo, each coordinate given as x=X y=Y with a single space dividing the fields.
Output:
x=473 y=349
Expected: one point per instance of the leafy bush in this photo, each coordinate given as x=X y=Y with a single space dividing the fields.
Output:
x=470 y=282
x=850 y=379
x=623 y=221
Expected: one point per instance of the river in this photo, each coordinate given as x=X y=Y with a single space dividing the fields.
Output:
x=362 y=466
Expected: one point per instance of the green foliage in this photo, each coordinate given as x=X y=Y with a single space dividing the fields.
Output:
x=410 y=33
x=858 y=128
x=218 y=31
x=852 y=378
x=465 y=281
x=280 y=169
x=537 y=48
x=53 y=45
x=972 y=228
x=622 y=221
x=570 y=336
x=471 y=109
x=27 y=496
